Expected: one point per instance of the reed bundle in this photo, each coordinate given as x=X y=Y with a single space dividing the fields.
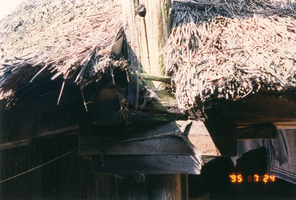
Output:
x=229 y=49
x=71 y=38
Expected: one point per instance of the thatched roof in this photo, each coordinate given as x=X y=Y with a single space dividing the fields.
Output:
x=70 y=38
x=229 y=49
x=216 y=49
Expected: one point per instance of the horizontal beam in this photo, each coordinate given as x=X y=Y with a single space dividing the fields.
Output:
x=258 y=131
x=165 y=79
x=144 y=139
x=146 y=164
x=254 y=109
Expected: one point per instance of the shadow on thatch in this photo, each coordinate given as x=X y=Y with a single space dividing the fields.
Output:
x=229 y=49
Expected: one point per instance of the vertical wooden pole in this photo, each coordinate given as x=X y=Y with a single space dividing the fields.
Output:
x=160 y=187
x=184 y=187
x=165 y=187
x=129 y=26
x=146 y=37
x=157 y=29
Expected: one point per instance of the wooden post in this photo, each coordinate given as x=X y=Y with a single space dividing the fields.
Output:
x=146 y=35
x=145 y=38
x=160 y=187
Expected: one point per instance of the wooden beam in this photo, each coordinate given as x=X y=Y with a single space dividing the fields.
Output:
x=212 y=138
x=165 y=79
x=145 y=139
x=157 y=146
x=258 y=131
x=146 y=148
x=255 y=109
x=146 y=164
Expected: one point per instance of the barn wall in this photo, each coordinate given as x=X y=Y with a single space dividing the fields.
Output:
x=67 y=178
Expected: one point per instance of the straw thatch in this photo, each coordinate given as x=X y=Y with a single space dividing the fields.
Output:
x=229 y=49
x=70 y=38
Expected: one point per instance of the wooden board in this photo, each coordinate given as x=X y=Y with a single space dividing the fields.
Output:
x=255 y=109
x=213 y=138
x=142 y=139
x=160 y=146
x=257 y=131
x=146 y=164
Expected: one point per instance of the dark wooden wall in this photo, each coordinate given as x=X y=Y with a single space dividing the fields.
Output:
x=67 y=178
x=70 y=177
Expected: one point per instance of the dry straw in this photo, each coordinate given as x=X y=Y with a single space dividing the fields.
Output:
x=229 y=49
x=68 y=37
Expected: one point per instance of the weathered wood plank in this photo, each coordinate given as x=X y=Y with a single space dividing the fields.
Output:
x=255 y=109
x=200 y=137
x=258 y=131
x=158 y=146
x=146 y=164
x=212 y=138
x=145 y=139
